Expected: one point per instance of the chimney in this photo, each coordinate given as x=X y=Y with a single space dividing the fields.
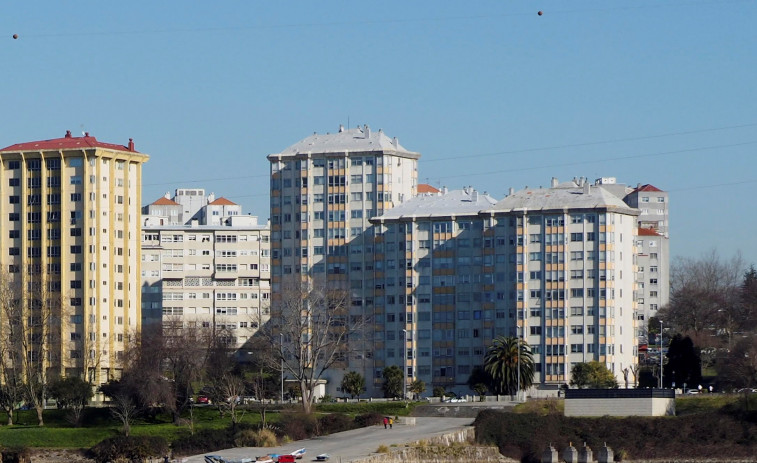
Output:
x=367 y=131
x=587 y=188
x=474 y=195
x=444 y=190
x=396 y=143
x=131 y=144
x=553 y=184
x=511 y=191
x=167 y=195
x=68 y=134
x=341 y=128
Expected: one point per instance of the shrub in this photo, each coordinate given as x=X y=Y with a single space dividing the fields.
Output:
x=335 y=422
x=299 y=426
x=205 y=440
x=15 y=455
x=369 y=419
x=255 y=438
x=129 y=448
x=382 y=449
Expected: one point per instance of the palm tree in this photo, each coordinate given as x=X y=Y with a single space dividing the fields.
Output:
x=502 y=360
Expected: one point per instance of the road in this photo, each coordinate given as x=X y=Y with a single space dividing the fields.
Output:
x=351 y=445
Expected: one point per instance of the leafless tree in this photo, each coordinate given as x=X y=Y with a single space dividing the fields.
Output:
x=11 y=379
x=39 y=319
x=308 y=333
x=705 y=297
x=125 y=410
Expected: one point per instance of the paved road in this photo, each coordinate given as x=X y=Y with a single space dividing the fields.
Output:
x=351 y=445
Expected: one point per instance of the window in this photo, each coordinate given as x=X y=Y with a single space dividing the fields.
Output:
x=576 y=236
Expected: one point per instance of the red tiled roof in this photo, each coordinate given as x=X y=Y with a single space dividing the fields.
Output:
x=648 y=187
x=648 y=232
x=426 y=188
x=222 y=202
x=163 y=201
x=68 y=142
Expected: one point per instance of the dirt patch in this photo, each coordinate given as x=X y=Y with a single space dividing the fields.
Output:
x=58 y=456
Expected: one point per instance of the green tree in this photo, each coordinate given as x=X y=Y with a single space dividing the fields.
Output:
x=417 y=387
x=393 y=378
x=439 y=391
x=593 y=375
x=353 y=383
x=506 y=357
x=684 y=360
x=72 y=394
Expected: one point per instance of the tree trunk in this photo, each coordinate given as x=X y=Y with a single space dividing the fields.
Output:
x=10 y=417
x=40 y=409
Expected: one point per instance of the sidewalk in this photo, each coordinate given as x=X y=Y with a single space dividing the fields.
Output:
x=351 y=445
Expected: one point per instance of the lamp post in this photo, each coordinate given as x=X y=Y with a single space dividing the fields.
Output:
x=281 y=340
x=660 y=354
x=404 y=364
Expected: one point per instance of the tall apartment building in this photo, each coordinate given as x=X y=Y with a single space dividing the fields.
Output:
x=554 y=266
x=324 y=190
x=70 y=218
x=653 y=253
x=213 y=276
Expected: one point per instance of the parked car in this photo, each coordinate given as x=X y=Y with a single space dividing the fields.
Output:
x=201 y=399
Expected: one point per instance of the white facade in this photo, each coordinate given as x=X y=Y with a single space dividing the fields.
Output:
x=213 y=277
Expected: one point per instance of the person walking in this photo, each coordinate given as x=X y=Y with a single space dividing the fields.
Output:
x=391 y=422
x=386 y=421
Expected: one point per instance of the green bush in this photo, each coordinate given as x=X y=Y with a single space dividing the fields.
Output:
x=129 y=448
x=369 y=419
x=205 y=440
x=15 y=455
x=335 y=422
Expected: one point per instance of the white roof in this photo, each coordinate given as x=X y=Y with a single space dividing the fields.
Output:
x=361 y=139
x=456 y=202
x=567 y=195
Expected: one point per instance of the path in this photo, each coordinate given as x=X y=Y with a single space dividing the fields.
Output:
x=351 y=445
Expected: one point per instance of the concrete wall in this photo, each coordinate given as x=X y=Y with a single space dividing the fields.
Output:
x=620 y=407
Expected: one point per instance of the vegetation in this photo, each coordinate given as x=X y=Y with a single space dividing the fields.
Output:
x=72 y=394
x=592 y=375
x=715 y=426
x=417 y=387
x=510 y=365
x=393 y=379
x=353 y=384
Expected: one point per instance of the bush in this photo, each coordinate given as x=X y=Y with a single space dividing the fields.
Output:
x=369 y=419
x=335 y=422
x=129 y=448
x=205 y=440
x=15 y=455
x=255 y=438
x=298 y=426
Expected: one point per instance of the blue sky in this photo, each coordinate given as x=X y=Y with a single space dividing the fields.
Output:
x=491 y=94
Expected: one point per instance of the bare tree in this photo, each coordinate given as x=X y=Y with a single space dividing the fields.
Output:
x=39 y=323
x=705 y=297
x=308 y=333
x=11 y=372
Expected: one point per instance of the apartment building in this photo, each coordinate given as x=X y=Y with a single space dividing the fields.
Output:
x=212 y=273
x=653 y=253
x=70 y=219
x=324 y=190
x=553 y=266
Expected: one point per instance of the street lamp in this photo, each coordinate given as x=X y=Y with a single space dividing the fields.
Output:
x=281 y=339
x=404 y=364
x=660 y=354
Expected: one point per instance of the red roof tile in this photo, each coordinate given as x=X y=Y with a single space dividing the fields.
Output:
x=648 y=232
x=222 y=202
x=648 y=187
x=426 y=188
x=163 y=201
x=68 y=142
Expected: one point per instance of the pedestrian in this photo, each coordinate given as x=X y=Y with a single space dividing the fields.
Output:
x=391 y=422
x=386 y=421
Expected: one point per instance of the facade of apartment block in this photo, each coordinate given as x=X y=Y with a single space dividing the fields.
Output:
x=213 y=277
x=70 y=218
x=554 y=267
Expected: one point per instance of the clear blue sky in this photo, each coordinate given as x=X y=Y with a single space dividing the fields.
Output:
x=490 y=93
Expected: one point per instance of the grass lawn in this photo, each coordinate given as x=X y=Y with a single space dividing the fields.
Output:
x=98 y=424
